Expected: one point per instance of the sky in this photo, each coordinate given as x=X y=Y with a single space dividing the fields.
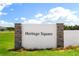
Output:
x=38 y=13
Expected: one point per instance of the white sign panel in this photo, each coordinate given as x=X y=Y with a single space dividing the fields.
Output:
x=71 y=38
x=39 y=36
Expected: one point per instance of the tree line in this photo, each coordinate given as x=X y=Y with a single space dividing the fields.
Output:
x=75 y=27
x=7 y=29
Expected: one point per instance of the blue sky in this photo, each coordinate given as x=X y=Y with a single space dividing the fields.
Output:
x=35 y=12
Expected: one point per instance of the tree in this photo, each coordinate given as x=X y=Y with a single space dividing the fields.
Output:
x=10 y=28
x=2 y=29
x=75 y=27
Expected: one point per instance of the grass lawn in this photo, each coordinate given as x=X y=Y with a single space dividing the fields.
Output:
x=7 y=42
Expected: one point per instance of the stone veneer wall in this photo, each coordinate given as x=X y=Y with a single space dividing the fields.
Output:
x=18 y=36
x=60 y=35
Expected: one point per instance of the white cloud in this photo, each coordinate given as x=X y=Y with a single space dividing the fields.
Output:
x=56 y=15
x=23 y=18
x=38 y=15
x=3 y=5
x=32 y=21
x=6 y=24
x=11 y=9
x=16 y=19
x=2 y=22
x=2 y=13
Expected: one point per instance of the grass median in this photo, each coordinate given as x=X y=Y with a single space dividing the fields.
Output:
x=7 y=42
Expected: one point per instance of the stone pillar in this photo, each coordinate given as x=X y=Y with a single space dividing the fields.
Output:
x=60 y=35
x=18 y=36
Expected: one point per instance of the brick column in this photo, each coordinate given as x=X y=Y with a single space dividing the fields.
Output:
x=60 y=35
x=18 y=36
